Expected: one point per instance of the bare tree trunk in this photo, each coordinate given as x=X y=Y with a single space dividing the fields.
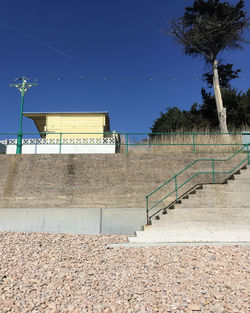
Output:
x=222 y=114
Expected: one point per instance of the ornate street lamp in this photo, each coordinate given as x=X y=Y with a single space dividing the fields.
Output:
x=23 y=87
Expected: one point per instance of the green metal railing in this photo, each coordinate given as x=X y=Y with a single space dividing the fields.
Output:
x=149 y=140
x=177 y=187
x=193 y=140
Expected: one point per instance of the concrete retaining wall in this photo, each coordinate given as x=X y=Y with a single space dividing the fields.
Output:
x=65 y=149
x=73 y=221
x=96 y=180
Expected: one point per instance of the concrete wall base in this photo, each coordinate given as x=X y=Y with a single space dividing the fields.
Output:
x=65 y=149
x=73 y=221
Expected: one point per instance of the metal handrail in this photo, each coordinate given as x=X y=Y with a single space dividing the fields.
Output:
x=152 y=139
x=132 y=133
x=174 y=178
x=128 y=133
x=140 y=143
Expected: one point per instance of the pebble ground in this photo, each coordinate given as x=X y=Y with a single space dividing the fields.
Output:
x=51 y=273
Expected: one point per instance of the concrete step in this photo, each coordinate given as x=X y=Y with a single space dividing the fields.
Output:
x=202 y=215
x=216 y=196
x=238 y=181
x=240 y=178
x=194 y=233
x=243 y=173
x=226 y=187
x=198 y=225
x=218 y=190
x=213 y=203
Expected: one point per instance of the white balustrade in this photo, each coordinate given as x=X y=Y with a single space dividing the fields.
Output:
x=63 y=146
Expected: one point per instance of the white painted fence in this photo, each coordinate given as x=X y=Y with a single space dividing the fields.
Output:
x=66 y=146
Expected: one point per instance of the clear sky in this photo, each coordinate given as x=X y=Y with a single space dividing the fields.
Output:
x=105 y=42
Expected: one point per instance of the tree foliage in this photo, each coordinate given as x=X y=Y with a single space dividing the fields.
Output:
x=174 y=119
x=209 y=27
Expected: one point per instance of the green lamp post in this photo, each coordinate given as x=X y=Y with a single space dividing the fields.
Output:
x=23 y=87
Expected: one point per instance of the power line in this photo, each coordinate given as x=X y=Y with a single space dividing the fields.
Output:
x=115 y=78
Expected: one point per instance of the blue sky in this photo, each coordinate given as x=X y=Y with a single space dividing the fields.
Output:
x=97 y=39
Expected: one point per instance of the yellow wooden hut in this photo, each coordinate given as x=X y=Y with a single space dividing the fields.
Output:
x=71 y=124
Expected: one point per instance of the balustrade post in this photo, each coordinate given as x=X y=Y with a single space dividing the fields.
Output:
x=213 y=171
x=194 y=148
x=126 y=142
x=176 y=188
x=60 y=144
x=148 y=219
x=248 y=157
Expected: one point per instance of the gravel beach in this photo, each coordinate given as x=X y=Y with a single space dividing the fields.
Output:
x=52 y=273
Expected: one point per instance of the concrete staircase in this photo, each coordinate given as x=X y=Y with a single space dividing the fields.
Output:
x=211 y=213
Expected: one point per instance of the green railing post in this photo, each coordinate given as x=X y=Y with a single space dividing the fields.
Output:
x=20 y=133
x=126 y=142
x=148 y=219
x=176 y=188
x=194 y=150
x=248 y=157
x=213 y=171
x=60 y=144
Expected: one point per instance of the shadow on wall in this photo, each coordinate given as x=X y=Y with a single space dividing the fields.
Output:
x=2 y=149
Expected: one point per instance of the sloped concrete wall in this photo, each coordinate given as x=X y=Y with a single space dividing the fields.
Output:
x=93 y=221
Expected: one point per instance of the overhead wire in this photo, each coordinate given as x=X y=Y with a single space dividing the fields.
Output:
x=111 y=78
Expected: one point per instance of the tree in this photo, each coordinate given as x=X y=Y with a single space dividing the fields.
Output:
x=237 y=104
x=207 y=29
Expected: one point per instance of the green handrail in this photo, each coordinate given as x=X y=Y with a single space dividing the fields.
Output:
x=125 y=133
x=176 y=188
x=129 y=145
